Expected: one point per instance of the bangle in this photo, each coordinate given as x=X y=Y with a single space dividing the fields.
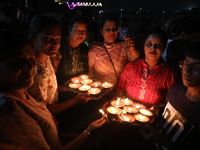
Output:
x=88 y=133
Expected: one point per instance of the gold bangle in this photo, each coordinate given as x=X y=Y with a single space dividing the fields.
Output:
x=88 y=133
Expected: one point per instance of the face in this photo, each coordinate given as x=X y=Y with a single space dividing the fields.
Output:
x=48 y=41
x=153 y=47
x=110 y=31
x=191 y=72
x=78 y=33
x=18 y=71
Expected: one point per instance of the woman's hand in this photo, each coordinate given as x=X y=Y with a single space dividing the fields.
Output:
x=82 y=98
x=96 y=124
x=130 y=43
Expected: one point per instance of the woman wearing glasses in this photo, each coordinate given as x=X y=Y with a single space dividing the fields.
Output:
x=107 y=59
x=73 y=51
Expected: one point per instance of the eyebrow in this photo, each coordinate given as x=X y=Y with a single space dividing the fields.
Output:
x=191 y=63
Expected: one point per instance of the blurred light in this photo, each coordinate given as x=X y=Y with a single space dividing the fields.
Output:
x=87 y=4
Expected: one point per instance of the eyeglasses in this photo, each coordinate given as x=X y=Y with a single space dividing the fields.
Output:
x=111 y=30
x=194 y=68
x=80 y=31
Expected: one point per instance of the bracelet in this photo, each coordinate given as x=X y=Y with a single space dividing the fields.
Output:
x=88 y=133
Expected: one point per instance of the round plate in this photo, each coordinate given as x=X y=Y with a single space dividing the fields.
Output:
x=94 y=90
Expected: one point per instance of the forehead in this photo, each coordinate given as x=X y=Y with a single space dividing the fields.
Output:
x=192 y=60
x=52 y=30
x=110 y=23
x=79 y=25
x=154 y=38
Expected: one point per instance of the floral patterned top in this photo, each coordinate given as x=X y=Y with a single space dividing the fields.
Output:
x=45 y=86
x=150 y=89
x=100 y=65
x=26 y=124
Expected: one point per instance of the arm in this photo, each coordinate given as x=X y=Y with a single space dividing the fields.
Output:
x=83 y=138
x=78 y=99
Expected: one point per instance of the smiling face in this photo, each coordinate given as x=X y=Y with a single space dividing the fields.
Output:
x=191 y=72
x=78 y=33
x=48 y=41
x=19 y=69
x=153 y=47
x=109 y=31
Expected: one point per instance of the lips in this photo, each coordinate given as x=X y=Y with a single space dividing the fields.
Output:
x=53 y=50
x=153 y=53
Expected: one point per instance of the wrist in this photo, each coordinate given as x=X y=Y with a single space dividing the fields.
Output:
x=88 y=133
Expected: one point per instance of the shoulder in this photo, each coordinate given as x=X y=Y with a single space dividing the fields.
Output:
x=8 y=105
x=96 y=47
x=176 y=87
x=137 y=62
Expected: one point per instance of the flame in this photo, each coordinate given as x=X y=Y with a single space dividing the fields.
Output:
x=101 y=111
x=137 y=106
x=118 y=101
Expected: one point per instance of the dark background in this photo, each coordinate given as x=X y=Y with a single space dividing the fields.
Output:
x=151 y=4
x=157 y=10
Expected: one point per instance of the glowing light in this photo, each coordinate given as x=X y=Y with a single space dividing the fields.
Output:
x=86 y=4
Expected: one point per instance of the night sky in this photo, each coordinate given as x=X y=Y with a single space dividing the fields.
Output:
x=151 y=4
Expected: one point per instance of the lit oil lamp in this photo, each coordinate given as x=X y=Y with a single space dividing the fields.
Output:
x=127 y=101
x=130 y=109
x=117 y=103
x=76 y=79
x=107 y=85
x=74 y=85
x=126 y=117
x=113 y=110
x=146 y=112
x=84 y=76
x=86 y=81
x=141 y=118
x=138 y=105
x=95 y=84
x=84 y=88
x=94 y=90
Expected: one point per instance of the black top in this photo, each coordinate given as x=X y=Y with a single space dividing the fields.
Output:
x=73 y=62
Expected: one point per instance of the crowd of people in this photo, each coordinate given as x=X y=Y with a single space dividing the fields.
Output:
x=158 y=67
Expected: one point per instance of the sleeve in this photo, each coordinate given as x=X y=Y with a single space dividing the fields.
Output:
x=39 y=88
x=19 y=130
x=121 y=85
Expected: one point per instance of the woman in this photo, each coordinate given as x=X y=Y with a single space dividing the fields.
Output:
x=147 y=80
x=106 y=60
x=46 y=35
x=25 y=122
x=74 y=51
